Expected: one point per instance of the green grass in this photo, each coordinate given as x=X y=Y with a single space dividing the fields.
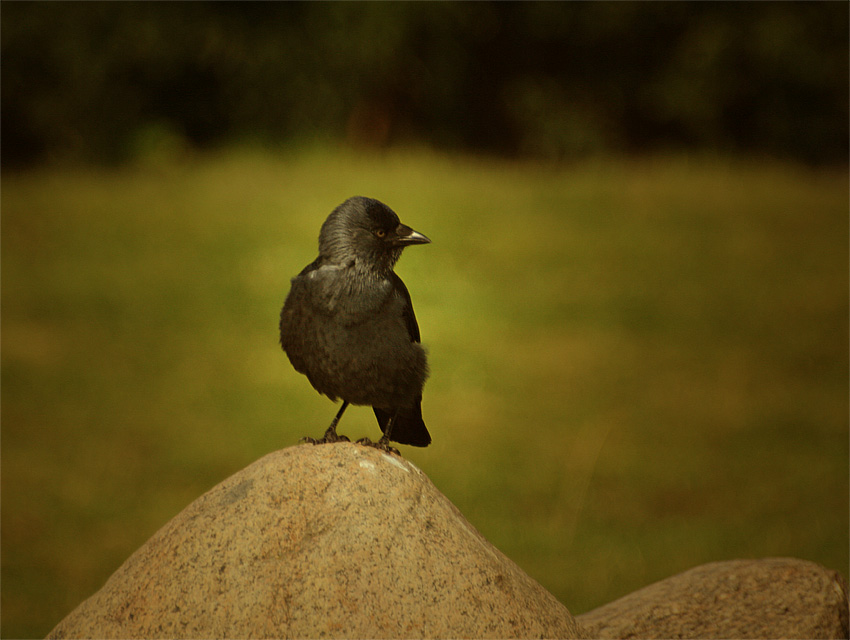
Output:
x=637 y=366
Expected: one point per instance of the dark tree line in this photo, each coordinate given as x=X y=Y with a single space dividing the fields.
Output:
x=90 y=80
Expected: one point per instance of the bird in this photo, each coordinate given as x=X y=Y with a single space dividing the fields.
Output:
x=348 y=323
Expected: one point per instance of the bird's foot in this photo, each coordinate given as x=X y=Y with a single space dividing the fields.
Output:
x=330 y=437
x=383 y=444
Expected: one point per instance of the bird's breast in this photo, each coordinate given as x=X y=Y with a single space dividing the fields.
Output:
x=351 y=339
x=349 y=296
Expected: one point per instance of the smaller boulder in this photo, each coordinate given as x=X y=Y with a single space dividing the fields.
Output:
x=769 y=598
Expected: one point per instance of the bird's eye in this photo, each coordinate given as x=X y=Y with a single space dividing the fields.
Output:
x=380 y=233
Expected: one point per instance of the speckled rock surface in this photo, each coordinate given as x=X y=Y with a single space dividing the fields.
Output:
x=769 y=598
x=320 y=541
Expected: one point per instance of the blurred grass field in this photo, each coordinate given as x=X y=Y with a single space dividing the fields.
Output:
x=637 y=366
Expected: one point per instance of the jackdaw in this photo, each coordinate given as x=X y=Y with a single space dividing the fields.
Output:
x=348 y=323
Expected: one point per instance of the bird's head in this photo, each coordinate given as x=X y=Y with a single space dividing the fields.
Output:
x=367 y=231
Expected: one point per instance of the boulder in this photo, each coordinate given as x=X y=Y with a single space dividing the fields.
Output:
x=334 y=541
x=768 y=598
x=347 y=541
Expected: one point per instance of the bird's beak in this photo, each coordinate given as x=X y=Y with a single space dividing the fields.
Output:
x=404 y=236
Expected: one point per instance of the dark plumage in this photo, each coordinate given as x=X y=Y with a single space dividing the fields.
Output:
x=348 y=322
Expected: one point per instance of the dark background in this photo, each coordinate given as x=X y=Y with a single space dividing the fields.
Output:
x=96 y=81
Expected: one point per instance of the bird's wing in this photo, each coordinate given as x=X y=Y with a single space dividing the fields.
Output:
x=407 y=310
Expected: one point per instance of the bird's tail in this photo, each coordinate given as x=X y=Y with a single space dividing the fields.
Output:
x=408 y=427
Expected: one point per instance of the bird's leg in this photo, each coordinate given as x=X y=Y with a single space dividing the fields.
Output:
x=331 y=434
x=384 y=443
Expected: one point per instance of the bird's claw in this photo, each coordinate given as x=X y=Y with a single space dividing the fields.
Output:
x=382 y=445
x=328 y=438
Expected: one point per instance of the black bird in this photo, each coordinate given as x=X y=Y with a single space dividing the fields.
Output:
x=348 y=323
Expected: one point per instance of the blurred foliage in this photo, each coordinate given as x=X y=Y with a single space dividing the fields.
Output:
x=109 y=81
x=637 y=366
